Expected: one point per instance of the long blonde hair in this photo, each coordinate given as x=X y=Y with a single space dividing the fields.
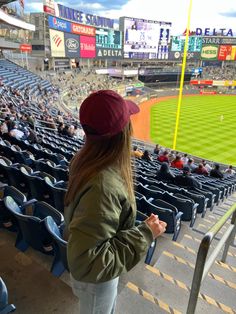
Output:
x=97 y=155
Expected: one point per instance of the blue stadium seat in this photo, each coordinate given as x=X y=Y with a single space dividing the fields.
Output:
x=4 y=306
x=32 y=231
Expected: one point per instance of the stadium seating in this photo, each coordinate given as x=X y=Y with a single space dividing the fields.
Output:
x=5 y=307
x=31 y=230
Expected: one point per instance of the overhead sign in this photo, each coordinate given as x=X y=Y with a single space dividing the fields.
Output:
x=194 y=43
x=49 y=6
x=80 y=29
x=108 y=39
x=57 y=42
x=209 y=52
x=215 y=32
x=72 y=45
x=84 y=18
x=87 y=47
x=219 y=40
x=179 y=55
x=26 y=48
x=224 y=52
x=59 y=24
x=109 y=53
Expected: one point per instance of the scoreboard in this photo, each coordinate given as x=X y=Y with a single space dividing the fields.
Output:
x=194 y=43
x=145 y=39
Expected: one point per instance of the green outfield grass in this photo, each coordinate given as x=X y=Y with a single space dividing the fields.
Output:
x=202 y=132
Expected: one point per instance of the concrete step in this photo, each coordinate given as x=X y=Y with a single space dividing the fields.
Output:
x=194 y=243
x=134 y=300
x=219 y=291
x=187 y=256
x=163 y=290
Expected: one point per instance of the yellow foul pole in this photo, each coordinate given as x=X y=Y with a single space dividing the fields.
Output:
x=182 y=75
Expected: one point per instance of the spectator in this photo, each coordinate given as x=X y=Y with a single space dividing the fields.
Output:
x=136 y=153
x=216 y=173
x=201 y=170
x=5 y=125
x=163 y=157
x=156 y=149
x=191 y=165
x=185 y=159
x=206 y=165
x=100 y=205
x=15 y=132
x=230 y=170
x=164 y=174
x=185 y=179
x=177 y=162
x=146 y=156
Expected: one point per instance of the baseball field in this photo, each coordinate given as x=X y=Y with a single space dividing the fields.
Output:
x=206 y=128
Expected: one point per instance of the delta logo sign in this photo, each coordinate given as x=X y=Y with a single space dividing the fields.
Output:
x=226 y=32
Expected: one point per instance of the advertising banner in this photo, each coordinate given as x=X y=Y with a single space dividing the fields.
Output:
x=109 y=53
x=179 y=55
x=230 y=83
x=87 y=47
x=218 y=83
x=108 y=39
x=72 y=45
x=233 y=53
x=224 y=52
x=49 y=6
x=219 y=40
x=209 y=52
x=59 y=24
x=80 y=29
x=26 y=48
x=194 y=43
x=201 y=82
x=57 y=42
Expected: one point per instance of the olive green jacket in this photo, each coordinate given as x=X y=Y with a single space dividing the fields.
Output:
x=103 y=241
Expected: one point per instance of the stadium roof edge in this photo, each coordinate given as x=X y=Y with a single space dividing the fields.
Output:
x=5 y=18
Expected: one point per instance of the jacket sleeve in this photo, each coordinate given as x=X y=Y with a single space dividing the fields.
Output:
x=98 y=249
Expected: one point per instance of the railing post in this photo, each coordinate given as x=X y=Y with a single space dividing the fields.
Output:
x=230 y=240
x=198 y=272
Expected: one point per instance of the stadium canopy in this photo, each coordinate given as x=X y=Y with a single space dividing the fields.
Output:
x=13 y=21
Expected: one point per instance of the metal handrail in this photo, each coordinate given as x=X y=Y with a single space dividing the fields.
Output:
x=202 y=263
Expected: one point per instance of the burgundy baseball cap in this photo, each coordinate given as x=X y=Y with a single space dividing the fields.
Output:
x=105 y=113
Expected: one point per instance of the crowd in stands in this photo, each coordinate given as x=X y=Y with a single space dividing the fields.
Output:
x=218 y=73
x=180 y=169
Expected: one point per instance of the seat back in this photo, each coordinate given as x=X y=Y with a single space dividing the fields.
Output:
x=4 y=306
x=60 y=247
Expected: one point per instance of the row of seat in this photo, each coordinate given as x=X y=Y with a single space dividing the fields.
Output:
x=40 y=226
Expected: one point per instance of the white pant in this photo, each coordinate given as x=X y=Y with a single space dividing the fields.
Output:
x=97 y=298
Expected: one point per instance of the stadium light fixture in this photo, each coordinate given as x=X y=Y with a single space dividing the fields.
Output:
x=182 y=75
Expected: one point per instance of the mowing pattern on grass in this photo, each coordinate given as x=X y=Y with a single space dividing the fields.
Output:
x=206 y=128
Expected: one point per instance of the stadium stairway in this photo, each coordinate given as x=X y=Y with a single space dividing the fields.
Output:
x=161 y=288
x=165 y=286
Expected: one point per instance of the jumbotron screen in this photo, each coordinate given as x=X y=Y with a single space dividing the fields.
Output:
x=194 y=43
x=145 y=39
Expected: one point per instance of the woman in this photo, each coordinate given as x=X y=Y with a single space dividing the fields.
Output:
x=164 y=174
x=100 y=205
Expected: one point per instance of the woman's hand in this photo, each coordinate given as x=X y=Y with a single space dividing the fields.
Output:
x=157 y=226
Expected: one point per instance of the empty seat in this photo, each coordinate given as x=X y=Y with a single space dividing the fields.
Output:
x=59 y=264
x=32 y=231
x=4 y=306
